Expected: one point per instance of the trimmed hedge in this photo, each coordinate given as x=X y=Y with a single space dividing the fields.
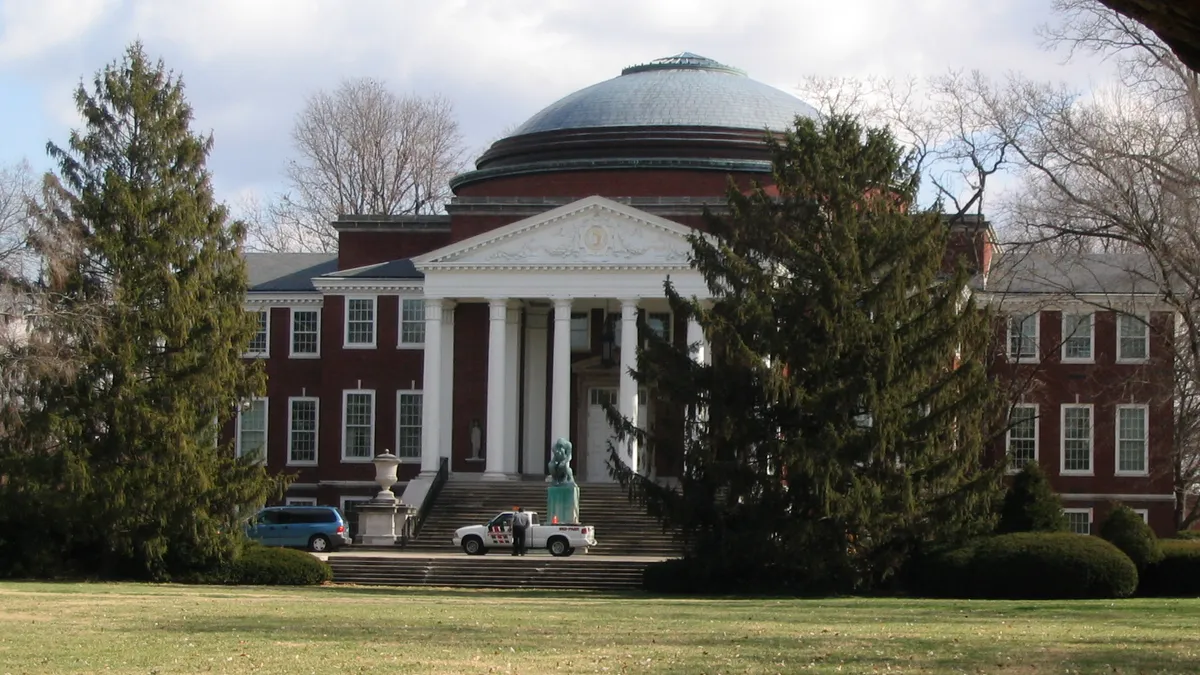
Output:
x=267 y=566
x=1029 y=565
x=1188 y=534
x=1177 y=574
x=1128 y=532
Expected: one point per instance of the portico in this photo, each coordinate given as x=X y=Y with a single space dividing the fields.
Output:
x=540 y=279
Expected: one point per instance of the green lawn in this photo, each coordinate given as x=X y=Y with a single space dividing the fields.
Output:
x=129 y=628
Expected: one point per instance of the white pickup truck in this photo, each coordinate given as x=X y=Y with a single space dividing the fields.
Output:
x=560 y=540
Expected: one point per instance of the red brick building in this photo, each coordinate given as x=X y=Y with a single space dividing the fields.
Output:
x=481 y=335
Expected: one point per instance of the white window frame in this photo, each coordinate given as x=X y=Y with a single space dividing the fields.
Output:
x=420 y=437
x=266 y=427
x=265 y=353
x=299 y=501
x=1144 y=321
x=1091 y=357
x=292 y=353
x=1062 y=438
x=587 y=330
x=1037 y=336
x=1144 y=513
x=1091 y=522
x=374 y=322
x=400 y=343
x=1145 y=439
x=1036 y=436
x=346 y=393
x=316 y=430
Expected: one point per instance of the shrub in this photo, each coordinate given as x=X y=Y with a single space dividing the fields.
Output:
x=1188 y=534
x=946 y=573
x=1043 y=565
x=256 y=564
x=1128 y=532
x=1176 y=574
x=1030 y=504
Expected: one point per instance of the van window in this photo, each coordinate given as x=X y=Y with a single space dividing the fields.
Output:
x=312 y=516
x=269 y=517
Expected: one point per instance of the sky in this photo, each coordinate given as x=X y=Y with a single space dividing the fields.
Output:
x=249 y=65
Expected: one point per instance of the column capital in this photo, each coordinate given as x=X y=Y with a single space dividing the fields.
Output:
x=563 y=304
x=433 y=308
x=448 y=311
x=513 y=315
x=497 y=309
x=629 y=308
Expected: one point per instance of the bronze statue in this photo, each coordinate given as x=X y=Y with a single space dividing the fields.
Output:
x=560 y=463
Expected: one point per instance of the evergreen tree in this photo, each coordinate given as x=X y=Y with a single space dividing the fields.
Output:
x=1031 y=505
x=126 y=457
x=843 y=419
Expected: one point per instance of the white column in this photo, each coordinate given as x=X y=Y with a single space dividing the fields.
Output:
x=627 y=395
x=537 y=324
x=496 y=436
x=431 y=398
x=560 y=396
x=695 y=337
x=447 y=386
x=512 y=389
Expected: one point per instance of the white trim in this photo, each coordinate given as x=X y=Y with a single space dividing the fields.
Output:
x=300 y=501
x=316 y=430
x=266 y=352
x=1091 y=358
x=1145 y=439
x=1062 y=438
x=421 y=412
x=237 y=439
x=345 y=396
x=1144 y=513
x=1091 y=521
x=1144 y=319
x=1037 y=337
x=256 y=300
x=292 y=353
x=346 y=344
x=400 y=343
x=1088 y=496
x=1036 y=436
x=339 y=286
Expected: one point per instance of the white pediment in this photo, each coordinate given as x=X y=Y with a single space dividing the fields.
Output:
x=590 y=232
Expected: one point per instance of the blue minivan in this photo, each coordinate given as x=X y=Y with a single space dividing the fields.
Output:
x=317 y=528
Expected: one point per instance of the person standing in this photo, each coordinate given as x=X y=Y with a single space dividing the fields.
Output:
x=520 y=525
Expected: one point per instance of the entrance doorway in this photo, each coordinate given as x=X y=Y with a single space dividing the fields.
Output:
x=600 y=433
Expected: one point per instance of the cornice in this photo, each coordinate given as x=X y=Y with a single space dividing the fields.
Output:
x=380 y=286
x=277 y=299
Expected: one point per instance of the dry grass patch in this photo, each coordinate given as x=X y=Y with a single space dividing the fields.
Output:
x=129 y=628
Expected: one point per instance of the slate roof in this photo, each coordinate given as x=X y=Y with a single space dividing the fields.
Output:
x=680 y=90
x=1020 y=272
x=393 y=269
x=287 y=272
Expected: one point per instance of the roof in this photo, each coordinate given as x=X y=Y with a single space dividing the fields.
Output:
x=287 y=272
x=680 y=90
x=393 y=269
x=1021 y=272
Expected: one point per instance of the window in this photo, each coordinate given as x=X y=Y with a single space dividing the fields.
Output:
x=1132 y=439
x=306 y=332
x=660 y=324
x=1078 y=333
x=1077 y=439
x=252 y=429
x=1133 y=338
x=360 y=322
x=300 y=501
x=1079 y=521
x=1023 y=336
x=412 y=322
x=302 y=430
x=358 y=426
x=260 y=344
x=408 y=424
x=1022 y=436
x=580 y=332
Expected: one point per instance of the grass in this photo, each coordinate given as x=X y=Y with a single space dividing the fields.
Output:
x=130 y=628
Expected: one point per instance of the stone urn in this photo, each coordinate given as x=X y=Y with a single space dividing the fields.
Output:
x=385 y=475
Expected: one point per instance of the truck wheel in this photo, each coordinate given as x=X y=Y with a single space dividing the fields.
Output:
x=473 y=546
x=570 y=551
x=558 y=547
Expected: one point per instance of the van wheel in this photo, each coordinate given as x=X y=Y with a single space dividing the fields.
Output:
x=319 y=543
x=473 y=546
x=558 y=547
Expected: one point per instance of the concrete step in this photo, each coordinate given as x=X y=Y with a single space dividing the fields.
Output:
x=484 y=572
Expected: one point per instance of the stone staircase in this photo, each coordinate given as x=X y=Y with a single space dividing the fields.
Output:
x=622 y=528
x=536 y=570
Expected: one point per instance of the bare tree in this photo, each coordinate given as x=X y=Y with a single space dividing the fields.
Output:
x=361 y=149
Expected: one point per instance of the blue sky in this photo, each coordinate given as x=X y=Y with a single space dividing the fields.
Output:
x=249 y=64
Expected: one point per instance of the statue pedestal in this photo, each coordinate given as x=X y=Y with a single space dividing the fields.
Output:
x=377 y=523
x=562 y=501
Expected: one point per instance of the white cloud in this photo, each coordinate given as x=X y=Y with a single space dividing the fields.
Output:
x=29 y=28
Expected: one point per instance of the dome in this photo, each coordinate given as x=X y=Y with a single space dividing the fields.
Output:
x=685 y=90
